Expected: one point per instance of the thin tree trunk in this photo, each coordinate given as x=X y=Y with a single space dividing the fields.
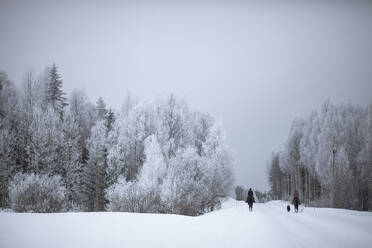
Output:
x=288 y=186
x=96 y=198
x=309 y=187
x=68 y=177
x=49 y=153
x=333 y=186
x=305 y=186
x=135 y=160
x=3 y=193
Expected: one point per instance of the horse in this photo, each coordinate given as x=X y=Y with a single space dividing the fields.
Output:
x=250 y=201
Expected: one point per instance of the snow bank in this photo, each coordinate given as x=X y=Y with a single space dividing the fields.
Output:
x=269 y=225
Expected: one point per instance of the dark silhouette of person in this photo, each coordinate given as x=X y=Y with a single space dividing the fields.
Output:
x=250 y=199
x=296 y=201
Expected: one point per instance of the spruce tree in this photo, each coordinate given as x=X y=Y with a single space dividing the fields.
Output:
x=101 y=109
x=54 y=94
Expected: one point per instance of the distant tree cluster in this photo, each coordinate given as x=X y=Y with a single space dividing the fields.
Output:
x=59 y=154
x=327 y=158
x=240 y=193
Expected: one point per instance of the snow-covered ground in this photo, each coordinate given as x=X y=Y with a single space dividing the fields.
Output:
x=269 y=225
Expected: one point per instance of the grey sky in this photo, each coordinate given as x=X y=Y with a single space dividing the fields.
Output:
x=254 y=64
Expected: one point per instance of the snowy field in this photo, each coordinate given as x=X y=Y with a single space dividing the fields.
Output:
x=269 y=225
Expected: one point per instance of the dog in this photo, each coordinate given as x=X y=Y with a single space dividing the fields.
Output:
x=288 y=208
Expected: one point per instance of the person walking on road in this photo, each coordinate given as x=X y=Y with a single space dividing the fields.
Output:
x=296 y=201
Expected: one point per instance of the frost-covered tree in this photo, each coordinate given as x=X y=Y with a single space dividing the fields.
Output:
x=128 y=104
x=54 y=94
x=94 y=176
x=326 y=157
x=182 y=157
x=71 y=158
x=275 y=176
x=239 y=193
x=309 y=149
x=7 y=165
x=8 y=96
x=184 y=191
x=126 y=153
x=154 y=168
x=175 y=129
x=101 y=109
x=142 y=195
x=364 y=161
x=201 y=127
x=219 y=165
x=110 y=120
x=37 y=127
x=43 y=150
x=29 y=102
x=84 y=114
x=150 y=157
x=9 y=133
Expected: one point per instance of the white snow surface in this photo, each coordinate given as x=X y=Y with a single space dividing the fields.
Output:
x=269 y=225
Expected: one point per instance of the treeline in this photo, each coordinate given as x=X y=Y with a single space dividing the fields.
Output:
x=241 y=194
x=67 y=154
x=327 y=158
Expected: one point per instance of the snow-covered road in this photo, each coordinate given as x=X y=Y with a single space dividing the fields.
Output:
x=269 y=225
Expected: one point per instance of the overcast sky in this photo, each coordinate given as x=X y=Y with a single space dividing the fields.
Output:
x=255 y=65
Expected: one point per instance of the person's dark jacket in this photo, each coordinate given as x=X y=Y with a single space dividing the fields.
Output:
x=250 y=196
x=296 y=200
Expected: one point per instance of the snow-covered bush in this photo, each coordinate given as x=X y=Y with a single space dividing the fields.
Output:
x=37 y=193
x=126 y=196
x=184 y=190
